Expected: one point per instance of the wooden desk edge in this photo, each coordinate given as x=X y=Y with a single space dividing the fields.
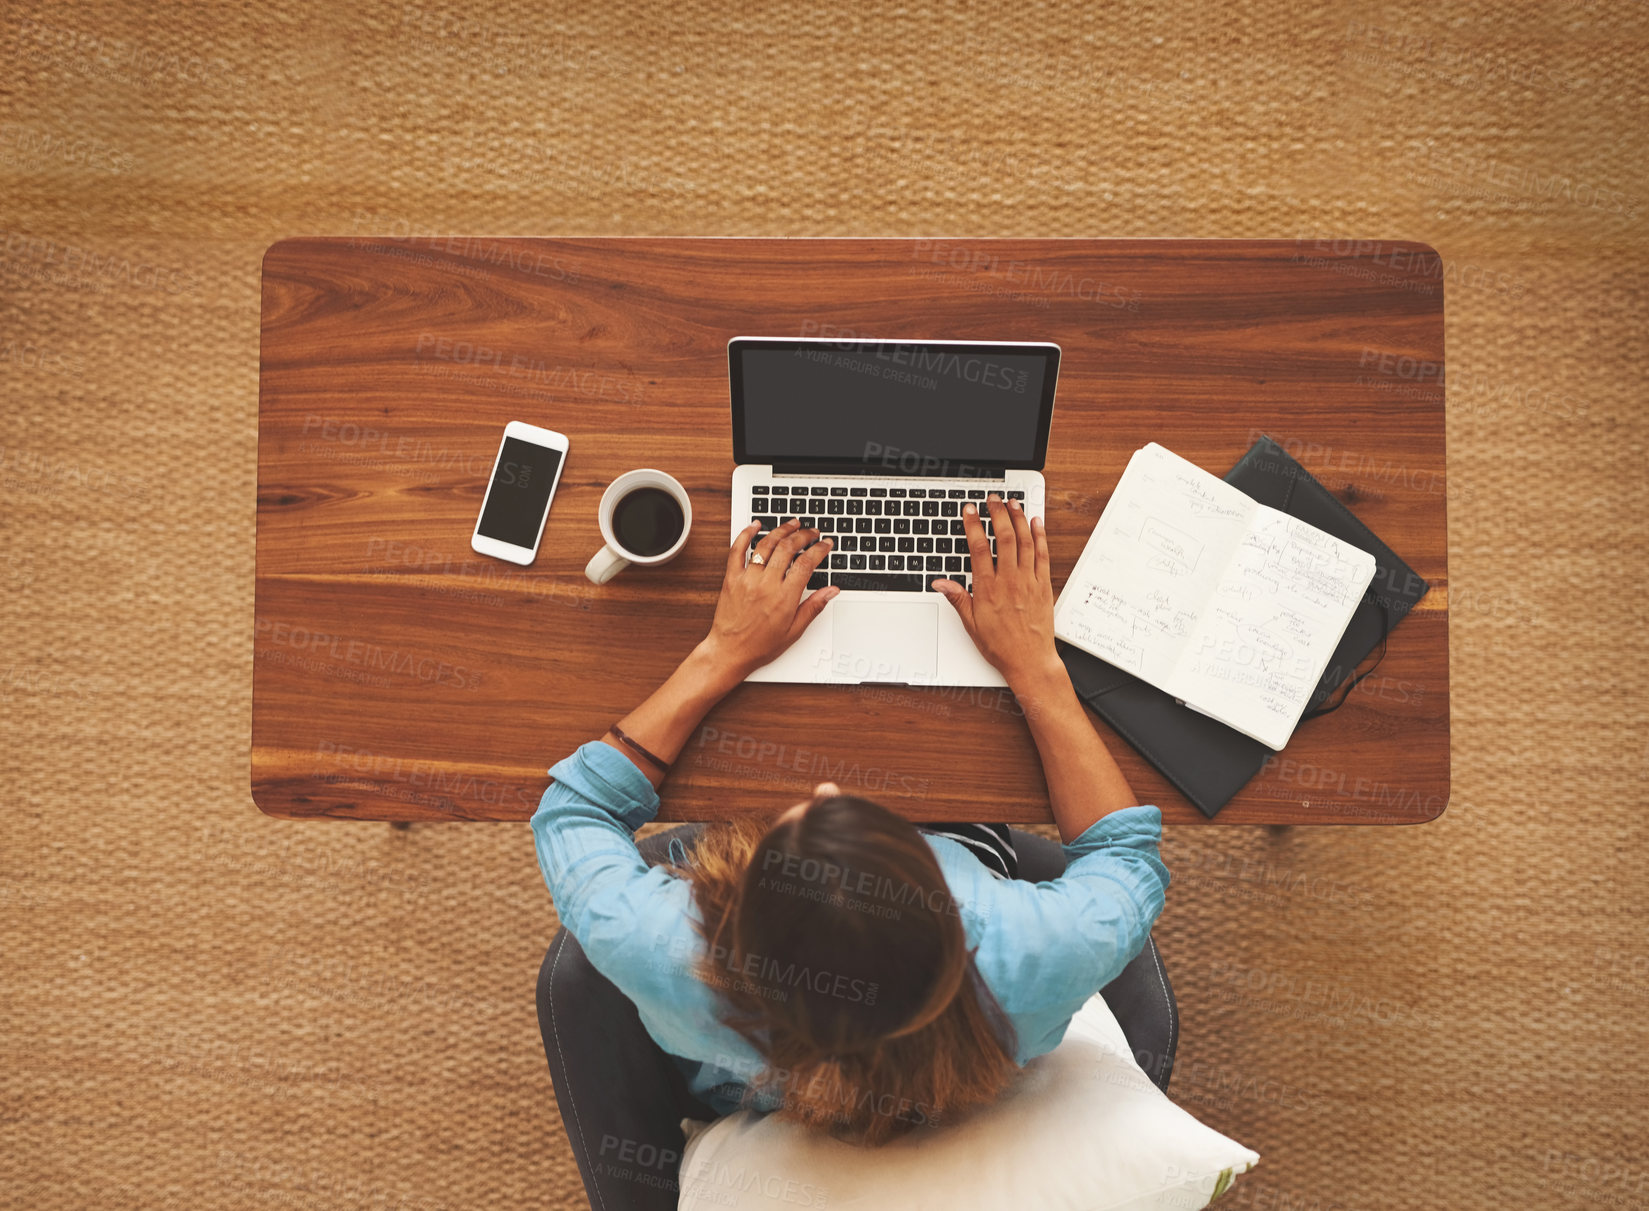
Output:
x=333 y=808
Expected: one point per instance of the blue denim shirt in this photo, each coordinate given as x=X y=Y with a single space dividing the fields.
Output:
x=1042 y=948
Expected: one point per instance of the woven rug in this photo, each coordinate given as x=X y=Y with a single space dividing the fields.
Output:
x=204 y=1007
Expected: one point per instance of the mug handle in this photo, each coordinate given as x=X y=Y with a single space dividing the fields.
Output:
x=604 y=565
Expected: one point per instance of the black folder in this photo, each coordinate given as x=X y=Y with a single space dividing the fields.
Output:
x=1208 y=761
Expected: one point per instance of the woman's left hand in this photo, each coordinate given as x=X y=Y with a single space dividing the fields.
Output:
x=761 y=612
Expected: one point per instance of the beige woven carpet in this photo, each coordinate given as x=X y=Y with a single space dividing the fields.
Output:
x=205 y=1008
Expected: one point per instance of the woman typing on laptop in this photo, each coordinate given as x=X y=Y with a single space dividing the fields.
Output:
x=831 y=961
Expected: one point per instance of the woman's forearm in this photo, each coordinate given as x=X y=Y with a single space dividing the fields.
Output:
x=662 y=724
x=1084 y=782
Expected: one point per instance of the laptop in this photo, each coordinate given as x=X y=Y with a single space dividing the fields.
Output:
x=879 y=444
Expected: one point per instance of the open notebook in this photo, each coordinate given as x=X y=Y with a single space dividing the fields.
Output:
x=1229 y=605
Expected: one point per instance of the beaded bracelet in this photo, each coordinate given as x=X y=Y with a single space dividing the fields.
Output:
x=664 y=766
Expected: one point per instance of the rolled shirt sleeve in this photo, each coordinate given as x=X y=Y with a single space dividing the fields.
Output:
x=597 y=776
x=1121 y=851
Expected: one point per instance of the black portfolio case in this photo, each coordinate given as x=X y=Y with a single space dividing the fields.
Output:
x=1208 y=761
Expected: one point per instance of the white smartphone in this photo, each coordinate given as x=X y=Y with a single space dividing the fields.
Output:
x=524 y=477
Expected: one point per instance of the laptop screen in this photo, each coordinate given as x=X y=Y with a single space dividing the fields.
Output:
x=892 y=407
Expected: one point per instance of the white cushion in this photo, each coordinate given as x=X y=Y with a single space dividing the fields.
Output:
x=1081 y=1128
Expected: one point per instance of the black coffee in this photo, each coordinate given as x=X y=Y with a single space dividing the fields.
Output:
x=647 y=521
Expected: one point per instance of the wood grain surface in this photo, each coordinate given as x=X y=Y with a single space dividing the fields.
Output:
x=400 y=676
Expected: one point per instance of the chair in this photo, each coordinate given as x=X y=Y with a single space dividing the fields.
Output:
x=622 y=1099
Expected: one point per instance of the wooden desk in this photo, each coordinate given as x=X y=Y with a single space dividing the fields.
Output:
x=399 y=676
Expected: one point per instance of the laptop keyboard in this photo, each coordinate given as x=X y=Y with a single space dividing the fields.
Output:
x=884 y=538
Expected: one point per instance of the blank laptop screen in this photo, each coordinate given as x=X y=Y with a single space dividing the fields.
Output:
x=902 y=408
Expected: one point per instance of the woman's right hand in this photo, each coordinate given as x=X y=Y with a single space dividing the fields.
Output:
x=1010 y=613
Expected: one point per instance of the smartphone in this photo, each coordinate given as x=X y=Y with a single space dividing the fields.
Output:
x=524 y=476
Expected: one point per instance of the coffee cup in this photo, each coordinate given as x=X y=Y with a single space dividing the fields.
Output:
x=645 y=516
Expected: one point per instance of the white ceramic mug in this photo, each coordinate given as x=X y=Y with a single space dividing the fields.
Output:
x=613 y=558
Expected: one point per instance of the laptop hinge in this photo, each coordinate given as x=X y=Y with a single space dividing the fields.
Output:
x=946 y=469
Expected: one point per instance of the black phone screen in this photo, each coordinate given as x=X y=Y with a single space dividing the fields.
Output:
x=520 y=489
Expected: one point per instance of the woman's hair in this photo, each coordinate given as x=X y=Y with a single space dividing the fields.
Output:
x=839 y=955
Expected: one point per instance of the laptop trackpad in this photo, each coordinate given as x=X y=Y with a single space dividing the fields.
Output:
x=887 y=641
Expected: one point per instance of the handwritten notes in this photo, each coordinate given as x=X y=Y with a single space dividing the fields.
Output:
x=1229 y=605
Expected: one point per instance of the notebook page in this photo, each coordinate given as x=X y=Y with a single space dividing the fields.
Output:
x=1152 y=563
x=1274 y=621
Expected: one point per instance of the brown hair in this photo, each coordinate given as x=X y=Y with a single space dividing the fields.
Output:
x=839 y=954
